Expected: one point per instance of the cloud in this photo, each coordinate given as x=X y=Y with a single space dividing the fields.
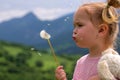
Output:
x=56 y=8
x=50 y=14
x=41 y=13
x=7 y=15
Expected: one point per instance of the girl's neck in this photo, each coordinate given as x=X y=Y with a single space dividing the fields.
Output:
x=96 y=51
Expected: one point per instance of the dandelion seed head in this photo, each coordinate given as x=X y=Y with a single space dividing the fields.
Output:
x=48 y=24
x=44 y=34
x=39 y=54
x=32 y=49
x=65 y=19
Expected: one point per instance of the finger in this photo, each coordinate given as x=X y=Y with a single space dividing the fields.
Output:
x=58 y=69
x=60 y=73
x=63 y=77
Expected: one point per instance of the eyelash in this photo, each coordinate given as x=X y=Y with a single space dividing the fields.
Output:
x=78 y=25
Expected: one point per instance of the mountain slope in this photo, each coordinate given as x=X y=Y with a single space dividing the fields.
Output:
x=25 y=30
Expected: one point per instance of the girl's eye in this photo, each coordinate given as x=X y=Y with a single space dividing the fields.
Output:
x=79 y=25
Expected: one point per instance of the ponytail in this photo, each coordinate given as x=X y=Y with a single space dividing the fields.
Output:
x=109 y=13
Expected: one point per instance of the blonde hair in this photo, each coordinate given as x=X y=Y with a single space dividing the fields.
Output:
x=100 y=13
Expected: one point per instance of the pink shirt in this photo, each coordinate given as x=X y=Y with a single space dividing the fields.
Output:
x=86 y=67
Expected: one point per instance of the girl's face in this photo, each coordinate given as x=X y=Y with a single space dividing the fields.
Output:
x=84 y=33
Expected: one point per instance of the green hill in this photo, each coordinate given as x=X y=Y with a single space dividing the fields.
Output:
x=18 y=62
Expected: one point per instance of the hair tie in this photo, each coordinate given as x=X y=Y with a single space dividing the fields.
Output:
x=108 y=6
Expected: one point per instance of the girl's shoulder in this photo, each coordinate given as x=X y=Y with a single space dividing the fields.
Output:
x=82 y=58
x=87 y=59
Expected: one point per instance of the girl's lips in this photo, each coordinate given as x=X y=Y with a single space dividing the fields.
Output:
x=74 y=38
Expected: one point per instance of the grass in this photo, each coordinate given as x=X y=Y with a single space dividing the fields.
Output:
x=12 y=50
x=48 y=64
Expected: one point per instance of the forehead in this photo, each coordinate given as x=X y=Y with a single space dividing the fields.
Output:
x=81 y=15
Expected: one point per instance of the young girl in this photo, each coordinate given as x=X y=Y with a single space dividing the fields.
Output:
x=95 y=28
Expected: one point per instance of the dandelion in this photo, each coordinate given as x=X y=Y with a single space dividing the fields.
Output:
x=48 y=24
x=45 y=35
x=32 y=49
x=39 y=54
x=65 y=19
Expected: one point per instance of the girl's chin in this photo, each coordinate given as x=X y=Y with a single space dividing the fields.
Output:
x=81 y=46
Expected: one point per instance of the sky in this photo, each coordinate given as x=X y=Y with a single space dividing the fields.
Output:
x=43 y=9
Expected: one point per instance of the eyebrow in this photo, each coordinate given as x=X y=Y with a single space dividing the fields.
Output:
x=77 y=22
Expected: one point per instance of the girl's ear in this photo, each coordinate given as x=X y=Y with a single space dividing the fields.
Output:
x=103 y=30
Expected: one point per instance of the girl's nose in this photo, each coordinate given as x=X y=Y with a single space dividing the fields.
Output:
x=74 y=31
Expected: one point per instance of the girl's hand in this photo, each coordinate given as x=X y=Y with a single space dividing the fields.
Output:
x=60 y=73
x=94 y=78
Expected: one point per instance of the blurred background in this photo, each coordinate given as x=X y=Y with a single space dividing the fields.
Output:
x=23 y=54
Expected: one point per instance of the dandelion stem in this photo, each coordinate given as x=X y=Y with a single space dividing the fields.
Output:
x=52 y=50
